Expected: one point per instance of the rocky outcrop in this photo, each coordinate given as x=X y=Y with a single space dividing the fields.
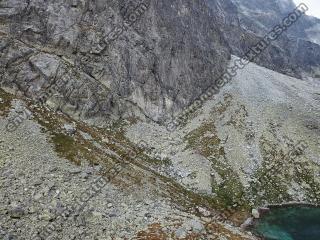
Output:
x=98 y=60
x=292 y=54
x=158 y=63
x=259 y=16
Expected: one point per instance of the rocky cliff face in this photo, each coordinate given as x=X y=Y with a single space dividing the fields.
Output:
x=158 y=63
x=254 y=143
x=286 y=55
x=98 y=60
x=259 y=16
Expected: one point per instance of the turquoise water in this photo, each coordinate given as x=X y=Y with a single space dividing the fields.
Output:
x=290 y=223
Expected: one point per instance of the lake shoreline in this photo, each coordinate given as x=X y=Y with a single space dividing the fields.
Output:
x=293 y=204
x=275 y=219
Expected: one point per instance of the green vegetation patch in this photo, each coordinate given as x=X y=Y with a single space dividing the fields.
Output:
x=277 y=173
x=270 y=184
x=205 y=140
x=221 y=107
x=229 y=192
x=238 y=119
x=304 y=175
x=5 y=102
x=66 y=147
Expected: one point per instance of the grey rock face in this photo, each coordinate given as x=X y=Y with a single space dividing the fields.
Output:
x=259 y=16
x=155 y=66
x=286 y=54
x=101 y=60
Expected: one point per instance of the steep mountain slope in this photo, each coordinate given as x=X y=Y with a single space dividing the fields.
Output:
x=255 y=143
x=88 y=86
x=241 y=150
x=292 y=54
x=91 y=184
x=102 y=60
x=259 y=16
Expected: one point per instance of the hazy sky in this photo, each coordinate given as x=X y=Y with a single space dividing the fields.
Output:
x=314 y=6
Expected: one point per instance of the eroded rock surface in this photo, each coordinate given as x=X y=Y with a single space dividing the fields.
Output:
x=98 y=60
x=155 y=66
